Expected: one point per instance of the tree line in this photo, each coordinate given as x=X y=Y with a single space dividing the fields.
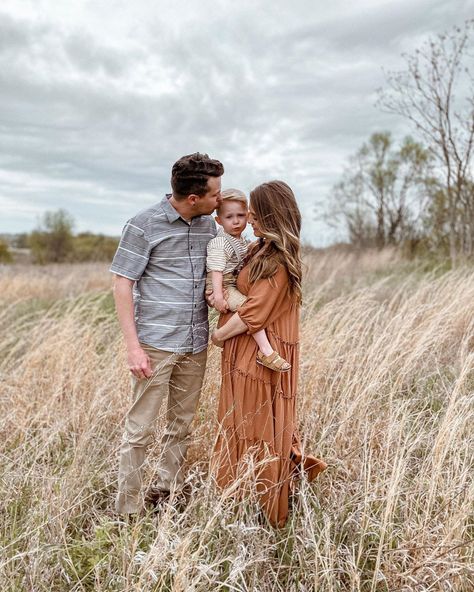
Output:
x=55 y=242
x=418 y=193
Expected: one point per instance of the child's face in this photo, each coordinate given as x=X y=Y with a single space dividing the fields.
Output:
x=232 y=217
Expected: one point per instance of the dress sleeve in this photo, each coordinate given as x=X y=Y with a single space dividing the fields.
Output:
x=265 y=300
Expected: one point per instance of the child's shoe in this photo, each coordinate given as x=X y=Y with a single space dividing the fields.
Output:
x=274 y=361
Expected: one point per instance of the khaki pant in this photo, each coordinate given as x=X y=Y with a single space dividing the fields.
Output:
x=177 y=378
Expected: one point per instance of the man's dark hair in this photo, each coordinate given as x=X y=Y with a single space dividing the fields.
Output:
x=191 y=172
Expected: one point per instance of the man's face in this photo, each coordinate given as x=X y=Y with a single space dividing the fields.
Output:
x=210 y=200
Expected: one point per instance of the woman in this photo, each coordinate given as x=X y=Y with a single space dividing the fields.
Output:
x=257 y=406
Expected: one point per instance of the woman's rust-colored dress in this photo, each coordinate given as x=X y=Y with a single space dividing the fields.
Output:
x=257 y=407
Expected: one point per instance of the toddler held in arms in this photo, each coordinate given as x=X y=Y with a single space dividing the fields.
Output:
x=225 y=256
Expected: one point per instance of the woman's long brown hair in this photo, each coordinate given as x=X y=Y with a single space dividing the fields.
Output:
x=279 y=218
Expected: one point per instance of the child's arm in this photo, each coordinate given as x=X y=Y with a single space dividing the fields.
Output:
x=219 y=301
x=215 y=264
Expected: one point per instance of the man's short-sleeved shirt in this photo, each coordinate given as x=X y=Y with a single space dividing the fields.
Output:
x=166 y=257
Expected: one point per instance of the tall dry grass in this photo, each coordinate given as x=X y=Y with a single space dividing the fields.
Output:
x=386 y=397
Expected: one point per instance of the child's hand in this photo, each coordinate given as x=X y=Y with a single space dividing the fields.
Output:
x=220 y=304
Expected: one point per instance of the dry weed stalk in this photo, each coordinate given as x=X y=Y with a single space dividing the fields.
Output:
x=386 y=396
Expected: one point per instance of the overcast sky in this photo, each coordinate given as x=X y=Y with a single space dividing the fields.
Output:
x=99 y=98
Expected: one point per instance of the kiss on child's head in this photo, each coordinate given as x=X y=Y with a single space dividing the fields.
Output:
x=232 y=212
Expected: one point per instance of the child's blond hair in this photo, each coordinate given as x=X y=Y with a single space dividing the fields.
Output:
x=233 y=195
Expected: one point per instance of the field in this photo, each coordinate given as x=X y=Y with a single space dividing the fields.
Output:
x=386 y=398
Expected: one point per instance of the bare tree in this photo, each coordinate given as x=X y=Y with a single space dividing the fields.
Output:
x=379 y=198
x=467 y=215
x=436 y=93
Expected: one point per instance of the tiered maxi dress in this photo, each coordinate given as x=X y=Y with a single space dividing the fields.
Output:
x=258 y=444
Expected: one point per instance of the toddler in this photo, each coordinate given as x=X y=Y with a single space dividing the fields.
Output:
x=225 y=255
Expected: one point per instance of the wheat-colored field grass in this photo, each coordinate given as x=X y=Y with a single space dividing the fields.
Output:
x=386 y=398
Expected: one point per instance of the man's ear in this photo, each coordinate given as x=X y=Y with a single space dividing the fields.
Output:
x=192 y=199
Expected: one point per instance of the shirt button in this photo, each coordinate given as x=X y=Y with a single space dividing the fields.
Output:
x=191 y=247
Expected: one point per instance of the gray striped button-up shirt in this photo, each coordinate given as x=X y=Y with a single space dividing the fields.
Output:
x=166 y=257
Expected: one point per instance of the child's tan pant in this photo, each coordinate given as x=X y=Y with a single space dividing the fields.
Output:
x=235 y=298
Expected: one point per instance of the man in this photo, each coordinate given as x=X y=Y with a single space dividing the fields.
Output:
x=159 y=272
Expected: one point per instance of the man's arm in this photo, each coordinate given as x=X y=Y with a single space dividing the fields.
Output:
x=138 y=361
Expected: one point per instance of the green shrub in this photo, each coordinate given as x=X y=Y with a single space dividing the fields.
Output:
x=93 y=247
x=5 y=255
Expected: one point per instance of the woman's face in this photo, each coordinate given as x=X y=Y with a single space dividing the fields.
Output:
x=254 y=223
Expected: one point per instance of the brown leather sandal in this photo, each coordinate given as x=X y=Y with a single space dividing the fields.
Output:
x=274 y=361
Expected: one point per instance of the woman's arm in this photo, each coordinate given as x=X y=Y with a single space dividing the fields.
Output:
x=234 y=326
x=264 y=298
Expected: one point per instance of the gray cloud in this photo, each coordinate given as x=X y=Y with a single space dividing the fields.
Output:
x=93 y=116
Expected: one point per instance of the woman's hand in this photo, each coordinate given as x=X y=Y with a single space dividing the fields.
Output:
x=215 y=338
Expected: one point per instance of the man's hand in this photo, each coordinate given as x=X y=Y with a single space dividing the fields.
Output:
x=209 y=295
x=139 y=363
